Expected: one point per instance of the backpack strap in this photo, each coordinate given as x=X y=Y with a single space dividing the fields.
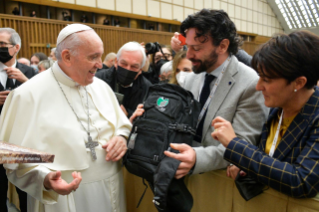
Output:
x=168 y=191
x=182 y=128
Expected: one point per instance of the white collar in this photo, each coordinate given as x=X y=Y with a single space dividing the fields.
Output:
x=3 y=66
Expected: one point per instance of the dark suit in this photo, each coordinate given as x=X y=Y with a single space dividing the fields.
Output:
x=28 y=72
x=133 y=95
x=294 y=168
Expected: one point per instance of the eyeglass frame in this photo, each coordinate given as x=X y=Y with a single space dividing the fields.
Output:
x=5 y=44
x=166 y=55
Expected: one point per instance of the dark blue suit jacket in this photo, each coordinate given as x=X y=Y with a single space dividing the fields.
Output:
x=294 y=168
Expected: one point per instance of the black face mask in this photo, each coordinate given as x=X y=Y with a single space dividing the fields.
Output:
x=125 y=77
x=4 y=55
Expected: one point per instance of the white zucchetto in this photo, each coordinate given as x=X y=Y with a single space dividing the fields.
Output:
x=70 y=29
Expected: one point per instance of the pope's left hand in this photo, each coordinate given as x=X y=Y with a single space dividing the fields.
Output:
x=223 y=132
x=14 y=73
x=115 y=148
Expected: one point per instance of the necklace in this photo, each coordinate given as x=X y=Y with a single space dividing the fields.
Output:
x=90 y=144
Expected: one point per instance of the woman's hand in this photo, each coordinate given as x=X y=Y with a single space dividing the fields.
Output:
x=223 y=132
x=232 y=171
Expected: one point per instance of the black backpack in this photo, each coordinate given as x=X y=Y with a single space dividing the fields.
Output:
x=170 y=116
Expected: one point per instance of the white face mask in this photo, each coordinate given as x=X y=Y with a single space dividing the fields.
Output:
x=181 y=77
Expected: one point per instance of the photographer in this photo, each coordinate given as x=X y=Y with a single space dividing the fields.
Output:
x=161 y=55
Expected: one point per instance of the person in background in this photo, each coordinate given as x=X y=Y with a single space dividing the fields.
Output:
x=12 y=75
x=109 y=60
x=181 y=68
x=16 y=11
x=287 y=158
x=36 y=58
x=84 y=18
x=33 y=14
x=166 y=72
x=125 y=76
x=117 y=22
x=106 y=22
x=24 y=61
x=152 y=70
x=44 y=65
x=52 y=54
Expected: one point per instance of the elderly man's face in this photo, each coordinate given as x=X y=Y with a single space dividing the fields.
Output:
x=85 y=63
x=5 y=42
x=130 y=60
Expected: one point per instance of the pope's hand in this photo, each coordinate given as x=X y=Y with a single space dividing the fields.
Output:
x=115 y=148
x=3 y=96
x=186 y=155
x=223 y=132
x=175 y=43
x=138 y=112
x=54 y=181
x=14 y=73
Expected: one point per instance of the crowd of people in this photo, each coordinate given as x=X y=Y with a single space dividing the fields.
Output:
x=259 y=114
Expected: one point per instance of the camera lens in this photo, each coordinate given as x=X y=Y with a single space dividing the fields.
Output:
x=151 y=48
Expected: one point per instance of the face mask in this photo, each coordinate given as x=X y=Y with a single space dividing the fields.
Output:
x=4 y=55
x=181 y=77
x=125 y=77
x=35 y=67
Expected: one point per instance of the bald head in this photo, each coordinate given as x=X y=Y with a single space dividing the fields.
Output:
x=109 y=59
x=24 y=61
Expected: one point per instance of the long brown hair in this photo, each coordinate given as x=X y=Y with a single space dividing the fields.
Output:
x=177 y=59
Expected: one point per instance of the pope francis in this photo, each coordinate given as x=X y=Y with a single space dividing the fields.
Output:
x=68 y=112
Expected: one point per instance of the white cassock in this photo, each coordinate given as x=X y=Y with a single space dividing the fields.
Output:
x=37 y=115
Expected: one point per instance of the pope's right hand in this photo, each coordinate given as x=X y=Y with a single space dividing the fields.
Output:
x=54 y=181
x=3 y=96
x=176 y=43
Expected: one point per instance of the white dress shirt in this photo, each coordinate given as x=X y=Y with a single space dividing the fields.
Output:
x=3 y=74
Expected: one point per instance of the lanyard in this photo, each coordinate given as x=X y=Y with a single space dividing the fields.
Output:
x=273 y=146
x=212 y=92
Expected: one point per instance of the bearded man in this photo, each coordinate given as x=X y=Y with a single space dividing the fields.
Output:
x=224 y=86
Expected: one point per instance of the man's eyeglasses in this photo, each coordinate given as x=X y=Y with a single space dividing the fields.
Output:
x=162 y=57
x=4 y=44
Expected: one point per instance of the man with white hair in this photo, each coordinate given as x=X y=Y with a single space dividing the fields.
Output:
x=125 y=76
x=76 y=117
x=12 y=75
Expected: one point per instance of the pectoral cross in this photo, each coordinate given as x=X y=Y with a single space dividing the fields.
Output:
x=91 y=145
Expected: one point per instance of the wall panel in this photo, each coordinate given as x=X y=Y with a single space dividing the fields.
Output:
x=36 y=34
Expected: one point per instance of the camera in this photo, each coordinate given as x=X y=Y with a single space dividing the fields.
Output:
x=152 y=48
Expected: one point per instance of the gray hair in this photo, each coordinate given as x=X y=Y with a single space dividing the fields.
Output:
x=53 y=49
x=131 y=47
x=166 y=67
x=110 y=56
x=46 y=63
x=14 y=36
x=72 y=42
